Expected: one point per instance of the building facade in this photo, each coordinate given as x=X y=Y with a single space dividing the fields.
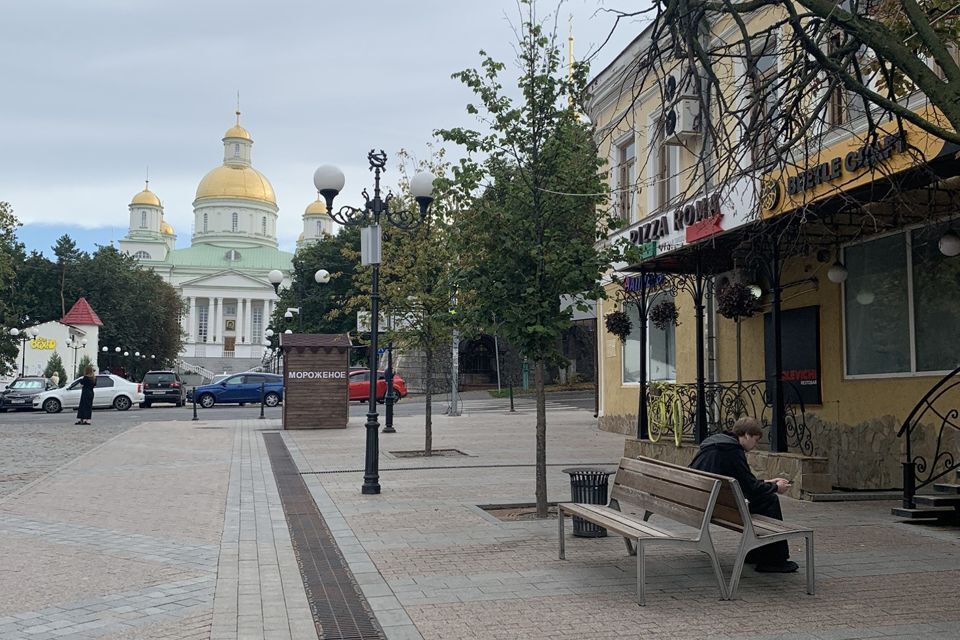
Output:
x=842 y=246
x=222 y=276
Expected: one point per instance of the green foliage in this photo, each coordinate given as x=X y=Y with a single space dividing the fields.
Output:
x=55 y=365
x=11 y=310
x=68 y=256
x=82 y=365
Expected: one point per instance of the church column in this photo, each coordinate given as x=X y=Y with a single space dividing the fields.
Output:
x=218 y=332
x=241 y=325
x=248 y=321
x=209 y=319
x=192 y=321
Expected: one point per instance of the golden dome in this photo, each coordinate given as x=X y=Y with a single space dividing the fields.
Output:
x=146 y=197
x=166 y=229
x=316 y=207
x=237 y=131
x=300 y=237
x=236 y=182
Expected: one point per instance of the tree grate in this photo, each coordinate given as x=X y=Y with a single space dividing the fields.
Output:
x=340 y=611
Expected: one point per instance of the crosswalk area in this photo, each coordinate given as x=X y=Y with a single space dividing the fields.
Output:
x=474 y=403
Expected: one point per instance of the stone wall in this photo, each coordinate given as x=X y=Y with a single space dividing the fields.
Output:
x=808 y=474
x=624 y=425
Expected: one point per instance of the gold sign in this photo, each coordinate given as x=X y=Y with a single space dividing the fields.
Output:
x=43 y=343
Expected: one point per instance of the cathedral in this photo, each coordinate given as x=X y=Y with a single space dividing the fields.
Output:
x=222 y=276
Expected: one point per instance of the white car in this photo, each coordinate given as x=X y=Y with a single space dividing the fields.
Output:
x=111 y=391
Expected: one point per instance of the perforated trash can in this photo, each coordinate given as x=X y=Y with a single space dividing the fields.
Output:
x=588 y=486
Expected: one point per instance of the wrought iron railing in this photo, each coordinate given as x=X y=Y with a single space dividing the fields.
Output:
x=672 y=410
x=939 y=408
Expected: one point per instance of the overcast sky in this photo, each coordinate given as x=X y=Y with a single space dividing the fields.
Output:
x=94 y=91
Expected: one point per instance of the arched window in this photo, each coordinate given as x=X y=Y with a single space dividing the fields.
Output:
x=204 y=223
x=232 y=255
x=319 y=228
x=142 y=255
x=263 y=225
x=236 y=149
x=143 y=219
x=234 y=221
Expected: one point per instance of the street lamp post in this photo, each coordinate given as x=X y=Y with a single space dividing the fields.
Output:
x=25 y=336
x=322 y=276
x=76 y=346
x=329 y=181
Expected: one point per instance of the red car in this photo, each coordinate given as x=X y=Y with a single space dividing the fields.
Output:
x=360 y=386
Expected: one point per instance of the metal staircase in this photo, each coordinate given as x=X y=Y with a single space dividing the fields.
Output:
x=938 y=412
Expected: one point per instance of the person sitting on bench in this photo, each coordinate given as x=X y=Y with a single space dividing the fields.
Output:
x=726 y=454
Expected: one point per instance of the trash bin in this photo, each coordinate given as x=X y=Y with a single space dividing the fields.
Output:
x=588 y=486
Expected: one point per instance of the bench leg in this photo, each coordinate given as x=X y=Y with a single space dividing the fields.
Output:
x=641 y=576
x=811 y=571
x=717 y=571
x=560 y=528
x=737 y=571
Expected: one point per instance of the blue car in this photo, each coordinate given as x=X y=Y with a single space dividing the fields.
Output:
x=242 y=388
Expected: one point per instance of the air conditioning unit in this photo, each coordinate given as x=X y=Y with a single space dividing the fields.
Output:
x=681 y=122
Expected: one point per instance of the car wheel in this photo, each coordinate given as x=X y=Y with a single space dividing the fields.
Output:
x=52 y=405
x=122 y=403
x=207 y=400
x=271 y=399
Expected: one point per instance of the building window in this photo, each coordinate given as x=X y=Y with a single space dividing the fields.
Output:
x=234 y=221
x=236 y=149
x=263 y=225
x=230 y=309
x=665 y=171
x=143 y=219
x=901 y=314
x=142 y=255
x=627 y=180
x=202 y=324
x=204 y=223
x=256 y=325
x=319 y=228
x=764 y=81
x=837 y=107
x=661 y=348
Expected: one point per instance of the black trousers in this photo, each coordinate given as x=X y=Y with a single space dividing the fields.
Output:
x=778 y=552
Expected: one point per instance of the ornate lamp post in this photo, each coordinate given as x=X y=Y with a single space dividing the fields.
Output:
x=329 y=182
x=25 y=336
x=322 y=276
x=76 y=346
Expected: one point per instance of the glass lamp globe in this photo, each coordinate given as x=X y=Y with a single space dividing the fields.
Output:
x=34 y=331
x=950 y=244
x=275 y=276
x=83 y=342
x=288 y=331
x=837 y=273
x=322 y=276
x=137 y=353
x=118 y=349
x=105 y=349
x=14 y=332
x=421 y=185
x=328 y=180
x=269 y=333
x=866 y=297
x=126 y=353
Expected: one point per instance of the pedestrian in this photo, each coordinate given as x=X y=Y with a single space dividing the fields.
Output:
x=726 y=454
x=87 y=384
x=55 y=379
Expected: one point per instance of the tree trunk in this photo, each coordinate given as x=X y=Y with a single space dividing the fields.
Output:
x=428 y=410
x=538 y=375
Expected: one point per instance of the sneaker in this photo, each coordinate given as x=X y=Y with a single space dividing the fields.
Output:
x=787 y=566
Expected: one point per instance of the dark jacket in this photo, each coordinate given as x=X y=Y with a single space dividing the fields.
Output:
x=723 y=455
x=85 y=410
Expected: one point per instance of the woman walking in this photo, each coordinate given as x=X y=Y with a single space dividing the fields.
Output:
x=87 y=383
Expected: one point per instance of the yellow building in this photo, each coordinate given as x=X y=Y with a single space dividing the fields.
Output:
x=848 y=249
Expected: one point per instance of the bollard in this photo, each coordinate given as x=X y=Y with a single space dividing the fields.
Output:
x=512 y=410
x=388 y=392
x=261 y=400
x=526 y=375
x=195 y=403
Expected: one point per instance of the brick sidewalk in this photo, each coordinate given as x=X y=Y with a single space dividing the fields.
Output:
x=176 y=530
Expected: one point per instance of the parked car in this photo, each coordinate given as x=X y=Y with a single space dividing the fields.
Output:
x=163 y=386
x=19 y=393
x=360 y=386
x=241 y=388
x=111 y=391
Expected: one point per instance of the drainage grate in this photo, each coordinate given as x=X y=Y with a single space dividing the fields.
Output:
x=339 y=608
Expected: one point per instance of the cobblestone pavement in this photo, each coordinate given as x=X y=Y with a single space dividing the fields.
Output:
x=174 y=530
x=437 y=566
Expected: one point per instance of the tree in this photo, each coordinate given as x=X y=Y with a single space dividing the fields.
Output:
x=525 y=237
x=11 y=256
x=418 y=278
x=85 y=362
x=67 y=257
x=55 y=365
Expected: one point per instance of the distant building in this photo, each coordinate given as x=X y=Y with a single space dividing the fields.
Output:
x=80 y=323
x=222 y=276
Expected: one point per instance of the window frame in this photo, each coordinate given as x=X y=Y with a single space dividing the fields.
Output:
x=626 y=200
x=911 y=312
x=623 y=347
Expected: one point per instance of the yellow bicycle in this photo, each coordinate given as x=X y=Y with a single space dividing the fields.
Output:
x=666 y=414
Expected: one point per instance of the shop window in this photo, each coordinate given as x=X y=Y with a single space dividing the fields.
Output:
x=888 y=330
x=661 y=348
x=627 y=180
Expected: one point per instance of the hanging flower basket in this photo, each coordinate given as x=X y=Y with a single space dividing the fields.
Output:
x=736 y=301
x=618 y=323
x=665 y=315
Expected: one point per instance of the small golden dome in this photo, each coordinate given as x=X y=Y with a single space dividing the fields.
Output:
x=237 y=131
x=236 y=182
x=146 y=197
x=316 y=207
x=300 y=237
x=166 y=229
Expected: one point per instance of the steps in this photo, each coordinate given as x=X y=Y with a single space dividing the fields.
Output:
x=943 y=505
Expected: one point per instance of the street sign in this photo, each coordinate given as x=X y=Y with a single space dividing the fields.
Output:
x=381 y=351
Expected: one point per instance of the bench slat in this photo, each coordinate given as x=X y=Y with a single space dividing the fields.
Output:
x=655 y=504
x=619 y=523
x=687 y=495
x=671 y=473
